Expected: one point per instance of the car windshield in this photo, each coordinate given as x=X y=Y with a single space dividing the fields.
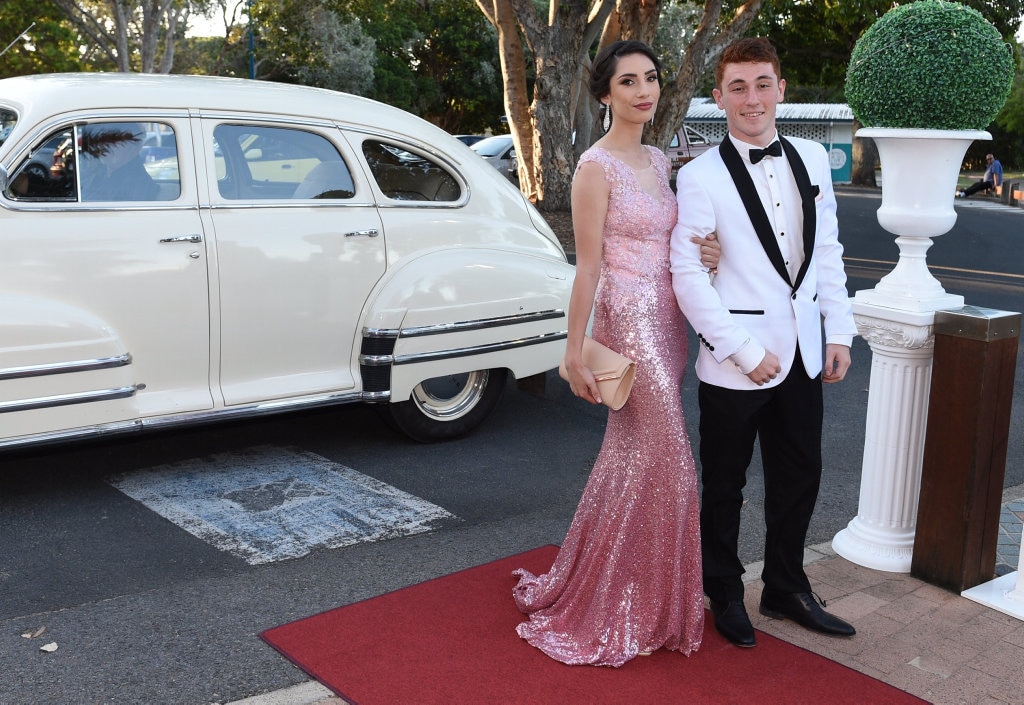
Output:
x=492 y=146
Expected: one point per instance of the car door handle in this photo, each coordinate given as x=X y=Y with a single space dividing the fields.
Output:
x=183 y=238
x=371 y=232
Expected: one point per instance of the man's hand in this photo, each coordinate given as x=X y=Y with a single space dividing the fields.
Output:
x=837 y=362
x=768 y=370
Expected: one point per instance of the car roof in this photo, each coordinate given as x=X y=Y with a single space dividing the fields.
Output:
x=495 y=139
x=42 y=95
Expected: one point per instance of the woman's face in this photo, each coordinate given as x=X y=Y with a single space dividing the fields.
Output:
x=634 y=89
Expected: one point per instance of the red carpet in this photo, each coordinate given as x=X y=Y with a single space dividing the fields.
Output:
x=452 y=641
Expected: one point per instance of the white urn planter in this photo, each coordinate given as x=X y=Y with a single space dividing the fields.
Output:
x=920 y=169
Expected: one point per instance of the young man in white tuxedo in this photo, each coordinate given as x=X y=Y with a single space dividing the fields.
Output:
x=759 y=322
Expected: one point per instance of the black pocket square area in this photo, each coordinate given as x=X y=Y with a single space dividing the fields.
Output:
x=815 y=190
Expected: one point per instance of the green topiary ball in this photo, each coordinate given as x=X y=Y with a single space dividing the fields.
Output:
x=929 y=64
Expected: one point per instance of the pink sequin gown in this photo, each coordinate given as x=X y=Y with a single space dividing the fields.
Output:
x=627 y=578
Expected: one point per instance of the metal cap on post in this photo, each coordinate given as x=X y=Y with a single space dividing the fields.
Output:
x=965 y=446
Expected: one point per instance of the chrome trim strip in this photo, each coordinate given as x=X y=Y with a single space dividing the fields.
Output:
x=376 y=360
x=396 y=203
x=376 y=397
x=261 y=409
x=67 y=399
x=481 y=323
x=57 y=368
x=479 y=349
x=74 y=435
x=475 y=324
x=66 y=206
x=250 y=204
x=247 y=118
x=137 y=425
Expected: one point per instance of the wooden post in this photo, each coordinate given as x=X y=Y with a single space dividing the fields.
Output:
x=965 y=446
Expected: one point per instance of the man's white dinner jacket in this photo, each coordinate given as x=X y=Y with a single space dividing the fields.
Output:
x=748 y=306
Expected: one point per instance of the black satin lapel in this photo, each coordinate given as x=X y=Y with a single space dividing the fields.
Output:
x=751 y=201
x=803 y=184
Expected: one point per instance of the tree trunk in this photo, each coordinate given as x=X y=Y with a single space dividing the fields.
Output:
x=634 y=19
x=865 y=157
x=542 y=129
x=561 y=104
x=701 y=54
x=148 y=27
x=516 y=99
x=557 y=64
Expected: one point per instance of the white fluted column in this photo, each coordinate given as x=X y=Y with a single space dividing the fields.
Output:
x=881 y=536
x=919 y=173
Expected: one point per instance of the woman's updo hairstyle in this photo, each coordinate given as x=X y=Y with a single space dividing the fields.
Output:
x=603 y=68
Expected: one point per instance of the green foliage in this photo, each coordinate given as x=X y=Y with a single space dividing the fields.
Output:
x=1011 y=117
x=814 y=41
x=930 y=64
x=457 y=67
x=344 y=58
x=49 y=45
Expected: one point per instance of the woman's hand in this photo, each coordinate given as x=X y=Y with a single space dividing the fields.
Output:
x=581 y=381
x=710 y=251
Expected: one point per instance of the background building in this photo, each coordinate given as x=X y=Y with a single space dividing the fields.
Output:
x=831 y=124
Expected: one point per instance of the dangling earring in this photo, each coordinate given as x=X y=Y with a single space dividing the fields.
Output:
x=606 y=119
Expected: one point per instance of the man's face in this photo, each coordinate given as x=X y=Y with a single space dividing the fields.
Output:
x=748 y=95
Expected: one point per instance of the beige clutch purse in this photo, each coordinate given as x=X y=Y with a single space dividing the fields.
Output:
x=614 y=372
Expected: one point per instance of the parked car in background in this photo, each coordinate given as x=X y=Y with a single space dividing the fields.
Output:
x=159 y=144
x=299 y=248
x=499 y=152
x=469 y=140
x=686 y=144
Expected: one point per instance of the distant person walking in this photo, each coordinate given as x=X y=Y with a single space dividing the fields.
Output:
x=993 y=177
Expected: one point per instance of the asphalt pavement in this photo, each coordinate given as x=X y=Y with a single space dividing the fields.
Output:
x=144 y=611
x=928 y=641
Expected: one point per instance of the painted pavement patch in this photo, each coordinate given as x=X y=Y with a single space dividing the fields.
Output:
x=268 y=503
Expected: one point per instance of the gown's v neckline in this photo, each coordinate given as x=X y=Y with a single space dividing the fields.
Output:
x=659 y=196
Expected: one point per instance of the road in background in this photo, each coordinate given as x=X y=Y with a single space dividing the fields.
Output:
x=118 y=549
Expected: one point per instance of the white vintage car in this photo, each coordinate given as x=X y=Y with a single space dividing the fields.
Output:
x=283 y=247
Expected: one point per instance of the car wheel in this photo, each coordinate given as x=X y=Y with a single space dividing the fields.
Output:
x=450 y=406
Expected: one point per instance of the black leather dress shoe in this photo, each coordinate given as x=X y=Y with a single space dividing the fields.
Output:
x=732 y=622
x=803 y=609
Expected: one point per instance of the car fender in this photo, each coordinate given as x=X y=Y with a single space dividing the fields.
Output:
x=447 y=312
x=56 y=357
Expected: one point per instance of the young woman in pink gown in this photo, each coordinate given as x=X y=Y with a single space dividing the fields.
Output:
x=627 y=579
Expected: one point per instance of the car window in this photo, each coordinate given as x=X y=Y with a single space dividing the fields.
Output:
x=260 y=162
x=694 y=137
x=102 y=161
x=406 y=176
x=112 y=165
x=42 y=175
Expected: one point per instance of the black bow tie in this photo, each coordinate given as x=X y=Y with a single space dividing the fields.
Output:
x=772 y=150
